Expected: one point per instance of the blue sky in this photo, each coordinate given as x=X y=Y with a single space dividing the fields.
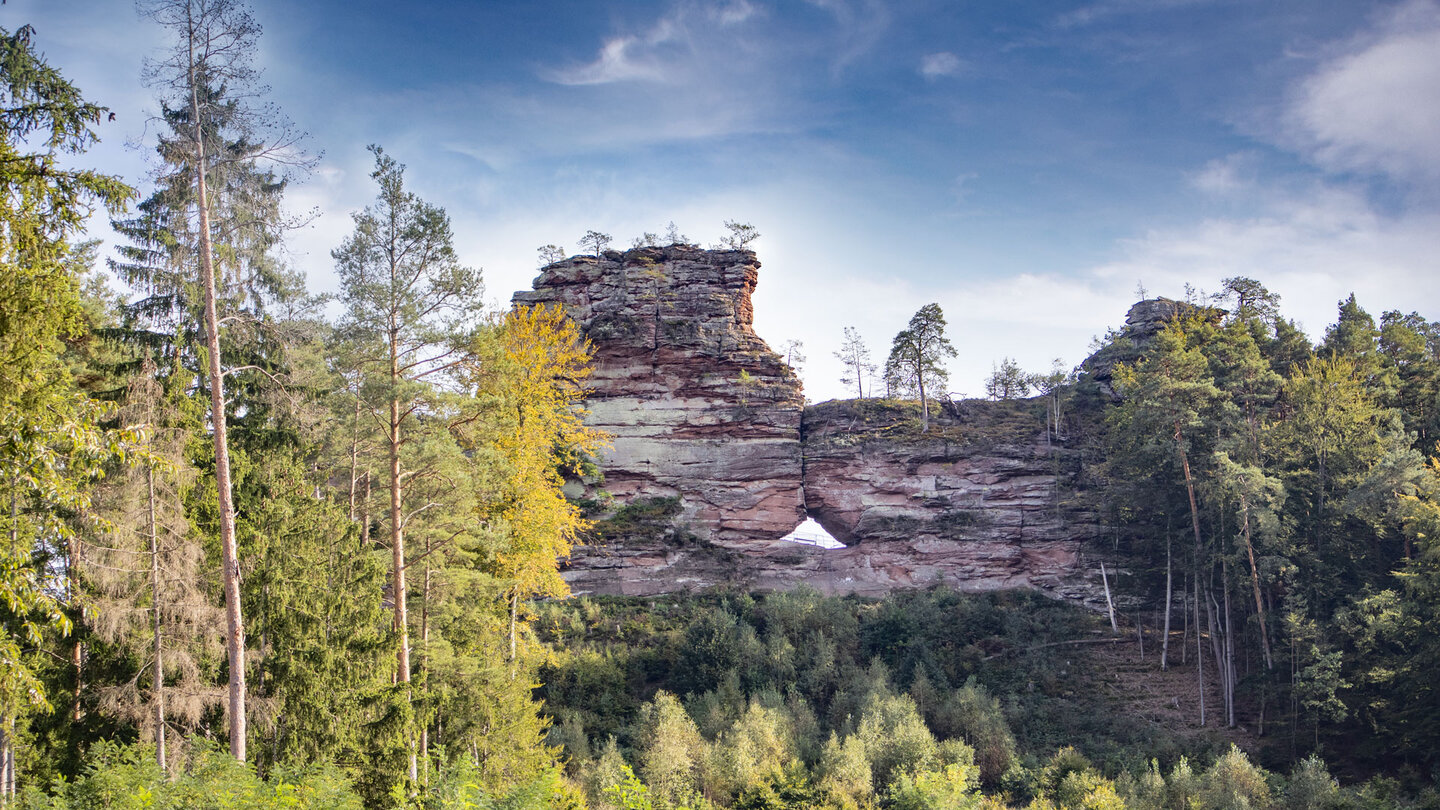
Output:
x=1025 y=164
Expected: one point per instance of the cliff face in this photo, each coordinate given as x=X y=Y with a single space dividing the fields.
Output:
x=982 y=502
x=710 y=465
x=700 y=409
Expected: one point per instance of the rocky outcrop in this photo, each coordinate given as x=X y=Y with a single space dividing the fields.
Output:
x=699 y=407
x=983 y=501
x=1144 y=320
x=709 y=467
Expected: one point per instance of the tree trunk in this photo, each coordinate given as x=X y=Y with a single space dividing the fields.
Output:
x=1109 y=604
x=365 y=514
x=514 y=609
x=1169 y=598
x=229 y=557
x=7 y=721
x=1217 y=649
x=355 y=459
x=924 y=404
x=397 y=534
x=425 y=656
x=157 y=651
x=1199 y=646
x=1229 y=646
x=1255 y=581
x=1185 y=629
x=7 y=760
x=77 y=651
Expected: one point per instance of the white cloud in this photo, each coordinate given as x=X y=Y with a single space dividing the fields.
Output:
x=1375 y=107
x=666 y=52
x=1096 y=12
x=861 y=22
x=1227 y=176
x=936 y=65
x=621 y=59
x=1313 y=248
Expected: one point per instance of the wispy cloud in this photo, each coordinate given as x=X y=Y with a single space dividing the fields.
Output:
x=861 y=23
x=1375 y=106
x=937 y=65
x=1227 y=176
x=1313 y=246
x=664 y=52
x=1099 y=11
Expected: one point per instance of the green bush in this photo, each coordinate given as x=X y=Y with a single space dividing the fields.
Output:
x=120 y=777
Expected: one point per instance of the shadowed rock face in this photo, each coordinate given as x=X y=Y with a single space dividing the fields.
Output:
x=710 y=467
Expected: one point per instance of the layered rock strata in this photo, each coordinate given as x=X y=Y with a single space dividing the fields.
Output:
x=709 y=467
x=699 y=407
x=982 y=502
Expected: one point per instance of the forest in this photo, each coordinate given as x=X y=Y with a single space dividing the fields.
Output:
x=265 y=548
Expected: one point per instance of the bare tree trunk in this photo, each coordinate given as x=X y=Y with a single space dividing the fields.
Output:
x=425 y=655
x=1255 y=581
x=1185 y=631
x=1229 y=647
x=365 y=514
x=355 y=458
x=7 y=760
x=924 y=404
x=397 y=543
x=158 y=673
x=77 y=650
x=1195 y=525
x=1217 y=651
x=1199 y=647
x=1169 y=598
x=229 y=556
x=1109 y=604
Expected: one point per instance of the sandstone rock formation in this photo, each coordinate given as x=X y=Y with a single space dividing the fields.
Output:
x=982 y=502
x=708 y=468
x=1143 y=321
x=699 y=407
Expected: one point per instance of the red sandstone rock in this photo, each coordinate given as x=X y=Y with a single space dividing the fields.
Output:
x=703 y=412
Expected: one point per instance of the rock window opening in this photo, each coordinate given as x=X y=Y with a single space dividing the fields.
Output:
x=811 y=533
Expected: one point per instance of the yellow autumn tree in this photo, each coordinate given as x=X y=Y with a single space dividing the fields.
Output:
x=528 y=377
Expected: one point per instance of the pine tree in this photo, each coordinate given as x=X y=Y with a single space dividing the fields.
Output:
x=409 y=308
x=856 y=357
x=917 y=358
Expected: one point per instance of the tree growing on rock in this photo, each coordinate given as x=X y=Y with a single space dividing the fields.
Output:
x=1007 y=380
x=741 y=234
x=550 y=254
x=673 y=236
x=596 y=242
x=917 y=359
x=856 y=357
